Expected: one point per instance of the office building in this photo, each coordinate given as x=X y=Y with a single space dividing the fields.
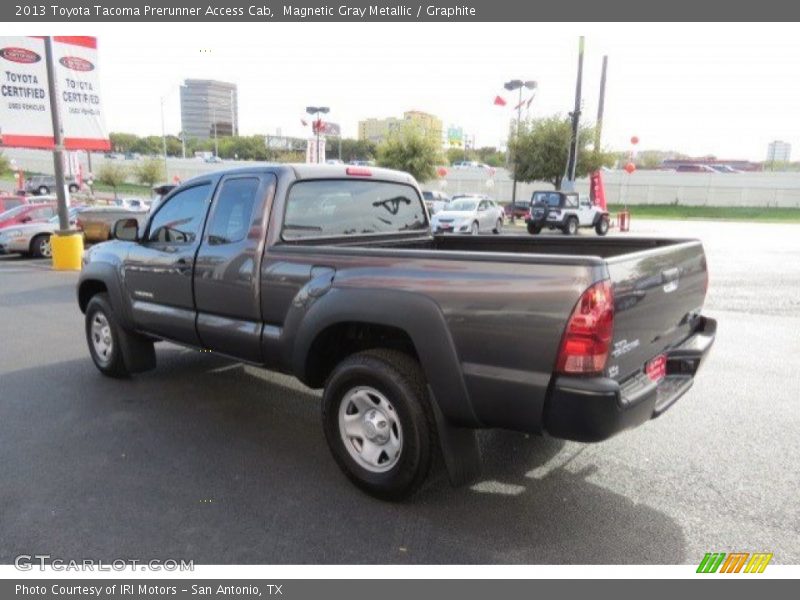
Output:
x=779 y=151
x=209 y=108
x=377 y=130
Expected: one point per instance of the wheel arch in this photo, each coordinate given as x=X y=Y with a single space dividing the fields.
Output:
x=406 y=321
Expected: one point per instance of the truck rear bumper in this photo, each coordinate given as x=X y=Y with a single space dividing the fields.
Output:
x=593 y=409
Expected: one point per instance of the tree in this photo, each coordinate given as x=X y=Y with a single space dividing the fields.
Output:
x=539 y=152
x=149 y=172
x=5 y=166
x=455 y=155
x=409 y=149
x=112 y=174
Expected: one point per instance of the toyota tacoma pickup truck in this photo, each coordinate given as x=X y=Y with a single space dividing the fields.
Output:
x=331 y=274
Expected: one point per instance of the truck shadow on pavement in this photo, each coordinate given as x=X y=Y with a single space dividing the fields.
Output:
x=206 y=460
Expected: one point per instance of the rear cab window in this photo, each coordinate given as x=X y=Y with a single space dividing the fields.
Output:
x=346 y=207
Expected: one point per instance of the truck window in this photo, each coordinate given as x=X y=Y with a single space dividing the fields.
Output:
x=234 y=211
x=180 y=218
x=340 y=207
x=571 y=201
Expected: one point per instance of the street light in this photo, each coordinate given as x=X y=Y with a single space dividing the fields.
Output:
x=517 y=84
x=317 y=110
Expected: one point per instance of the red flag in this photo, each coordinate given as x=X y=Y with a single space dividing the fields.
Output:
x=498 y=101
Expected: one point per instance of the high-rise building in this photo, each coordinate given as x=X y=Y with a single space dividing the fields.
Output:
x=209 y=108
x=377 y=130
x=779 y=151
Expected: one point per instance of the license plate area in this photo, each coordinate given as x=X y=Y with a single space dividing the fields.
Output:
x=656 y=368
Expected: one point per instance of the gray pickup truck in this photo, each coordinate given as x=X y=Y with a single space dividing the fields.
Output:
x=331 y=274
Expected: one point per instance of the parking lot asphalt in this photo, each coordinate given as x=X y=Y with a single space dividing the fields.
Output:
x=208 y=460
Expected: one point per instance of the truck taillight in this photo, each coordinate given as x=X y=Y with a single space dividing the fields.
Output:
x=587 y=338
x=358 y=172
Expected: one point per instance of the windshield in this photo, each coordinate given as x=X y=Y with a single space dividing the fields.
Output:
x=13 y=212
x=550 y=198
x=462 y=205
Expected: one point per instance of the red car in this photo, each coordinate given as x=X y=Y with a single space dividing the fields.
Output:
x=25 y=213
x=9 y=202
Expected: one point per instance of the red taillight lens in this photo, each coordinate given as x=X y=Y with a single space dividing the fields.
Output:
x=587 y=339
x=358 y=172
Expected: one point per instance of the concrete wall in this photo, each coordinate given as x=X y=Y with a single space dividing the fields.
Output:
x=643 y=187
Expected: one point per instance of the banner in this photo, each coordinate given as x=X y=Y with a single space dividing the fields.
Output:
x=25 y=118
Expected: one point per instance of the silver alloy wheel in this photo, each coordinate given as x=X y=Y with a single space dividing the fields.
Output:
x=603 y=225
x=475 y=229
x=572 y=227
x=45 y=248
x=102 y=341
x=370 y=429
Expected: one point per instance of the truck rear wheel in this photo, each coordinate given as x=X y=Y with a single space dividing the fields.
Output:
x=378 y=422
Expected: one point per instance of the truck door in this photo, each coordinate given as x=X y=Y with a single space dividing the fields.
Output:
x=585 y=211
x=226 y=277
x=158 y=270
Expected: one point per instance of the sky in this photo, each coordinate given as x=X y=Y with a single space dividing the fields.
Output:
x=722 y=89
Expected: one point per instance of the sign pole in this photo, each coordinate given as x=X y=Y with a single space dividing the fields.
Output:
x=58 y=137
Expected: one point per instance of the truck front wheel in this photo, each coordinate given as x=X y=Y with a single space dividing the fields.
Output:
x=534 y=229
x=602 y=226
x=378 y=422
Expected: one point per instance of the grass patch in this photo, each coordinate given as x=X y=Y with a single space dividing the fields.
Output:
x=732 y=213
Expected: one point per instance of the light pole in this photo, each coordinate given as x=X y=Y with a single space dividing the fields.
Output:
x=164 y=140
x=317 y=110
x=517 y=84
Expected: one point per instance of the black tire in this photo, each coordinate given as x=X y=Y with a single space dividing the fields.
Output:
x=40 y=246
x=498 y=227
x=73 y=188
x=534 y=229
x=601 y=228
x=571 y=226
x=43 y=190
x=475 y=228
x=112 y=365
x=399 y=378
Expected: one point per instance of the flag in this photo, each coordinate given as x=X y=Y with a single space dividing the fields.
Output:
x=498 y=101
x=529 y=102
x=304 y=122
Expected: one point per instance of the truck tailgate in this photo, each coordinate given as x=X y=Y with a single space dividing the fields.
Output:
x=658 y=295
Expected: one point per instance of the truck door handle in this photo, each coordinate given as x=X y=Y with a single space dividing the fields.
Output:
x=321 y=280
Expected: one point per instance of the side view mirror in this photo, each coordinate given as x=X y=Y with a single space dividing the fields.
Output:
x=126 y=230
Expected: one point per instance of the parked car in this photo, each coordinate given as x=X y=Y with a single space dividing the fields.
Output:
x=213 y=159
x=566 y=211
x=133 y=203
x=32 y=238
x=362 y=163
x=724 y=169
x=416 y=339
x=9 y=202
x=694 y=169
x=468 y=215
x=26 y=213
x=97 y=222
x=435 y=201
x=40 y=185
x=470 y=164
x=519 y=209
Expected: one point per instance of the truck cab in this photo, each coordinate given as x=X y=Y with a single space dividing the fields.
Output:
x=566 y=211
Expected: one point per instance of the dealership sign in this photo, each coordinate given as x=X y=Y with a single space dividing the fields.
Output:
x=25 y=118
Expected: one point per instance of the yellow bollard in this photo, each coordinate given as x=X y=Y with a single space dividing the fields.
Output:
x=67 y=248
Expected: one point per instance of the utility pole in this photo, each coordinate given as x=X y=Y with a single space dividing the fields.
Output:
x=164 y=140
x=58 y=138
x=598 y=134
x=572 y=160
